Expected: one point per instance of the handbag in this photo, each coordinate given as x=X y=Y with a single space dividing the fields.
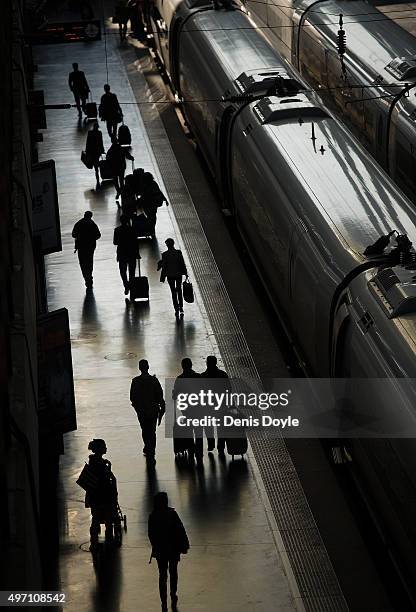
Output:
x=188 y=291
x=87 y=480
x=86 y=160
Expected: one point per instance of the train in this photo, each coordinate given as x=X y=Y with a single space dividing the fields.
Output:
x=329 y=232
x=370 y=85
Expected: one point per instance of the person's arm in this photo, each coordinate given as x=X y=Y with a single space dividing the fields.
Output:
x=161 y=402
x=84 y=78
x=75 y=231
x=97 y=232
x=128 y=154
x=115 y=237
x=185 y=271
x=70 y=85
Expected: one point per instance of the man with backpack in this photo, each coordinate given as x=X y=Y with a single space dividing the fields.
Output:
x=110 y=110
x=169 y=540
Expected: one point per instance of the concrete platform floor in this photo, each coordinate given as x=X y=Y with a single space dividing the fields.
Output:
x=233 y=563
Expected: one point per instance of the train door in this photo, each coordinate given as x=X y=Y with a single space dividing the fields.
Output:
x=223 y=124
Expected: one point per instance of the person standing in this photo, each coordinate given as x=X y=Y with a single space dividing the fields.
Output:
x=86 y=234
x=173 y=268
x=122 y=16
x=146 y=396
x=116 y=157
x=213 y=372
x=94 y=149
x=110 y=110
x=169 y=540
x=151 y=197
x=127 y=251
x=79 y=86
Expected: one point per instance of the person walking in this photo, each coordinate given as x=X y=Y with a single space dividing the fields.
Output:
x=146 y=396
x=116 y=157
x=187 y=382
x=86 y=234
x=213 y=372
x=94 y=148
x=127 y=251
x=151 y=197
x=122 y=16
x=173 y=268
x=79 y=86
x=110 y=110
x=169 y=540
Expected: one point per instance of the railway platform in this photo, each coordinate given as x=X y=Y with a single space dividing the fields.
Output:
x=255 y=544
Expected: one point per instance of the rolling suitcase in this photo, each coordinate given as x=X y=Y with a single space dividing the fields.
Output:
x=237 y=446
x=124 y=136
x=91 y=110
x=105 y=169
x=141 y=226
x=139 y=289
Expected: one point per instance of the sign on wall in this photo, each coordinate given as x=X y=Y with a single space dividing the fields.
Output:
x=56 y=402
x=45 y=208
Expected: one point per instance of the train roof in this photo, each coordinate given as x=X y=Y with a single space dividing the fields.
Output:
x=374 y=43
x=332 y=174
x=236 y=43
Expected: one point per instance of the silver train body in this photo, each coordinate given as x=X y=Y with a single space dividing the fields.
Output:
x=308 y=199
x=380 y=61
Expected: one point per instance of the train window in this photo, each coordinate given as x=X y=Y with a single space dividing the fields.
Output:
x=405 y=163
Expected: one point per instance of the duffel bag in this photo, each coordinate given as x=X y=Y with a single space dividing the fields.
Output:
x=86 y=160
x=188 y=291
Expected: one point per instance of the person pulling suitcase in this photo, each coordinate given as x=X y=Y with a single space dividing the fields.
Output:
x=127 y=251
x=173 y=268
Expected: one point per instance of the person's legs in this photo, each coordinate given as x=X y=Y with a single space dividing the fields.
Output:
x=77 y=102
x=83 y=101
x=149 y=435
x=179 y=292
x=132 y=269
x=86 y=262
x=172 y=285
x=163 y=582
x=122 y=266
x=173 y=575
x=121 y=176
x=199 y=444
x=97 y=172
x=117 y=185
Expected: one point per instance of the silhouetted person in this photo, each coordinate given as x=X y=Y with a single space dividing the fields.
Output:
x=168 y=538
x=146 y=396
x=128 y=197
x=127 y=251
x=116 y=157
x=173 y=268
x=86 y=234
x=122 y=15
x=94 y=149
x=102 y=497
x=136 y=8
x=110 y=111
x=186 y=383
x=79 y=87
x=213 y=371
x=151 y=197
